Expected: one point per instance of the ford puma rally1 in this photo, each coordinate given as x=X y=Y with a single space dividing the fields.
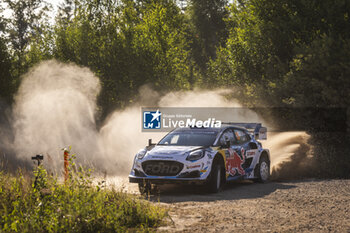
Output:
x=208 y=156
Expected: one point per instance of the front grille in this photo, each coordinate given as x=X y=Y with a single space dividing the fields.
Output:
x=162 y=168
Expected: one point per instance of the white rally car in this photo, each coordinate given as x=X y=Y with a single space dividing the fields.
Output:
x=209 y=156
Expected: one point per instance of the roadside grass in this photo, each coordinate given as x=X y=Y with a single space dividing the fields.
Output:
x=46 y=205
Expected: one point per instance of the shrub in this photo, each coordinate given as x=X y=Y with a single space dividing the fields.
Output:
x=45 y=204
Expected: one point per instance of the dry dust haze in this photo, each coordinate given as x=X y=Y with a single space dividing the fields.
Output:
x=55 y=107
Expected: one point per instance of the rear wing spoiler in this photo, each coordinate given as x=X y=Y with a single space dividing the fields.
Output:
x=256 y=129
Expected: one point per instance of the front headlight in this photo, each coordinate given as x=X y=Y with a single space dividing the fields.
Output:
x=195 y=155
x=141 y=154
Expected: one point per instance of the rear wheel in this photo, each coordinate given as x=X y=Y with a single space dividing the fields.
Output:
x=214 y=183
x=263 y=169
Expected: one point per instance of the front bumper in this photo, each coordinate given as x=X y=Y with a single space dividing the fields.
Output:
x=166 y=180
x=161 y=170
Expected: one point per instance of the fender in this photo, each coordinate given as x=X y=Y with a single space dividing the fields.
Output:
x=267 y=152
x=221 y=153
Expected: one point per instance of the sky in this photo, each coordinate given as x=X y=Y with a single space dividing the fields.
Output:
x=54 y=3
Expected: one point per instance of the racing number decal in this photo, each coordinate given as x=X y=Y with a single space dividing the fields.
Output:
x=250 y=153
x=234 y=162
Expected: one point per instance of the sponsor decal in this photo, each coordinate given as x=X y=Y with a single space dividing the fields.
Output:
x=234 y=162
x=204 y=170
x=250 y=154
x=162 y=168
x=194 y=166
x=161 y=157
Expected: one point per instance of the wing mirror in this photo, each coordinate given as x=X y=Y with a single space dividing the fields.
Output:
x=150 y=142
x=261 y=134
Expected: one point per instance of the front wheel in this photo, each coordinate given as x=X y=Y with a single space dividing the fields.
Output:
x=214 y=183
x=263 y=170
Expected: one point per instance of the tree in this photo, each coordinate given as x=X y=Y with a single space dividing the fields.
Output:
x=291 y=53
x=207 y=20
x=273 y=42
x=127 y=45
x=26 y=25
x=6 y=81
x=6 y=84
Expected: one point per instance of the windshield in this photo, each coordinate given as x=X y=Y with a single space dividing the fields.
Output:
x=189 y=138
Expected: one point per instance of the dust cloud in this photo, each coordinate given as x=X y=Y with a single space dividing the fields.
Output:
x=291 y=155
x=55 y=107
x=283 y=145
x=122 y=137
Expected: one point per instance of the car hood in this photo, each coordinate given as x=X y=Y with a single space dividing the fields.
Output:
x=165 y=151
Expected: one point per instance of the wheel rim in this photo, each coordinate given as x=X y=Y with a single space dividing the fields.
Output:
x=218 y=178
x=264 y=170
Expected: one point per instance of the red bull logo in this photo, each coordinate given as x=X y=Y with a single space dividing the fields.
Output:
x=234 y=162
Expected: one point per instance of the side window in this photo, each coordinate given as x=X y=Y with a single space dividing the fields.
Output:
x=241 y=136
x=227 y=135
x=247 y=137
x=174 y=139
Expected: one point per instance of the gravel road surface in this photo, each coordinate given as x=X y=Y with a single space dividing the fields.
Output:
x=295 y=206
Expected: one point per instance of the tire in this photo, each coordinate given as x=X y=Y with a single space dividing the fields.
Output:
x=263 y=169
x=215 y=180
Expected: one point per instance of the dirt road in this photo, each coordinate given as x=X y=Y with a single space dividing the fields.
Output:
x=299 y=206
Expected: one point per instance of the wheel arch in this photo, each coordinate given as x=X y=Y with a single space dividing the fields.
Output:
x=219 y=158
x=267 y=154
x=264 y=153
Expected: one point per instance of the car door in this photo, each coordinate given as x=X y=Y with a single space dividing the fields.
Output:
x=247 y=147
x=234 y=161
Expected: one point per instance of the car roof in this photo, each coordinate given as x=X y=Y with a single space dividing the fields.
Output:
x=210 y=129
x=203 y=129
x=225 y=126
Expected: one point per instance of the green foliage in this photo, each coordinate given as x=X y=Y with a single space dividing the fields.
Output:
x=127 y=45
x=28 y=24
x=47 y=205
x=25 y=39
x=294 y=53
x=6 y=80
x=291 y=53
x=208 y=29
x=288 y=53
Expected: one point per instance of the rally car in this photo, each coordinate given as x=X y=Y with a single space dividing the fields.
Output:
x=208 y=156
